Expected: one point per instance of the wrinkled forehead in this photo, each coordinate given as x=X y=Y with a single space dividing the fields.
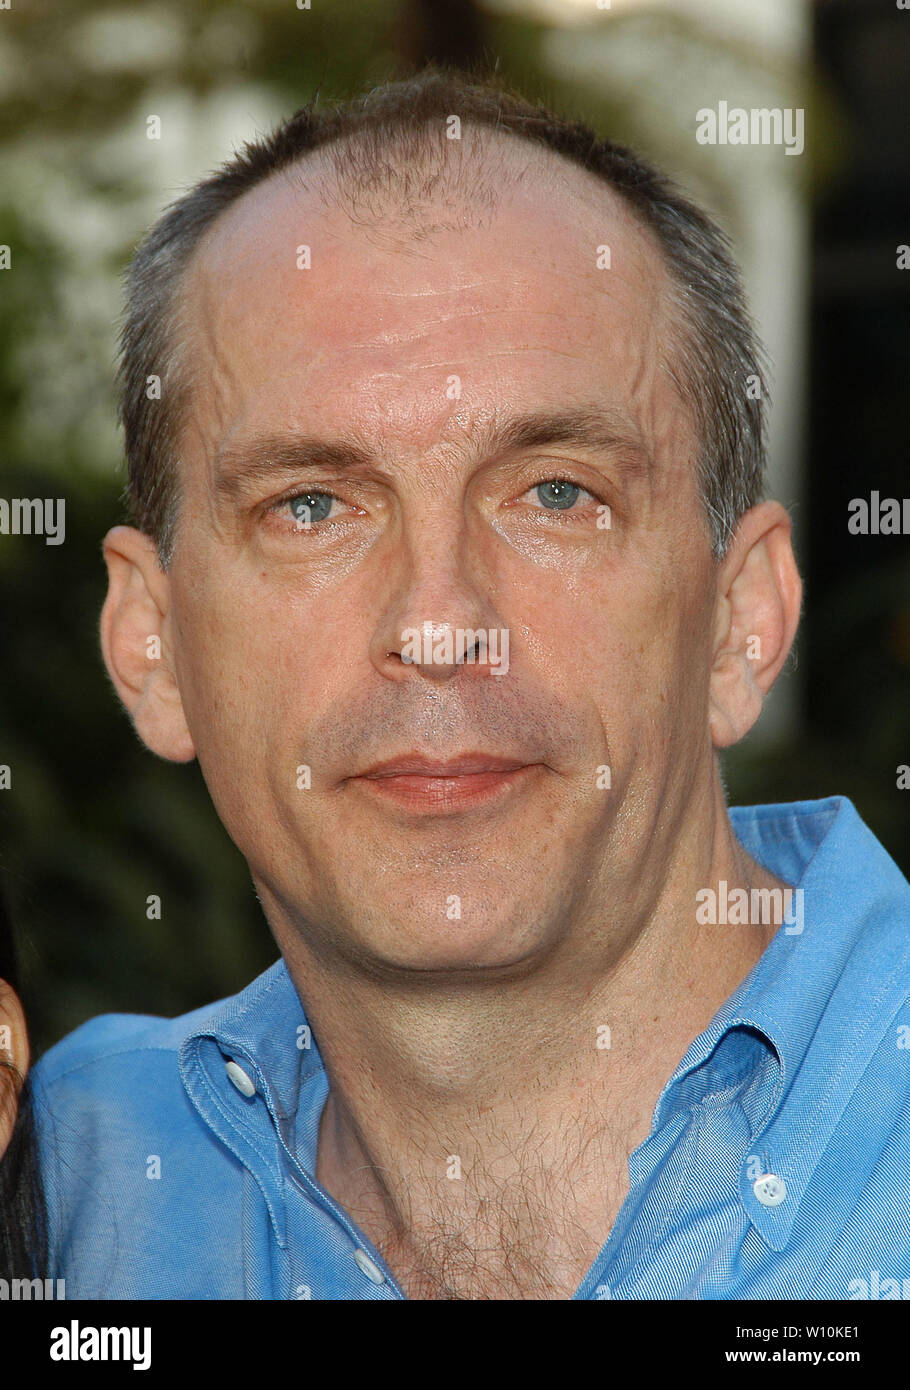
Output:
x=540 y=212
x=343 y=298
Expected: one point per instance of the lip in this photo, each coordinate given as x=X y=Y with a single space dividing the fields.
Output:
x=433 y=786
x=464 y=765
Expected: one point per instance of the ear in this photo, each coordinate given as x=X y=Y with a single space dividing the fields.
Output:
x=14 y=1053
x=136 y=641
x=756 y=614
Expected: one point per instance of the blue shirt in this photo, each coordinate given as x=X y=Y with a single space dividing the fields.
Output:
x=777 y=1166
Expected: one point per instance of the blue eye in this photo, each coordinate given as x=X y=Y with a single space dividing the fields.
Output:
x=309 y=507
x=558 y=495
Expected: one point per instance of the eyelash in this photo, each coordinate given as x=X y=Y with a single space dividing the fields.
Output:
x=278 y=506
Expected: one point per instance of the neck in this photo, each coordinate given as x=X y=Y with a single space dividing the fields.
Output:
x=462 y=1108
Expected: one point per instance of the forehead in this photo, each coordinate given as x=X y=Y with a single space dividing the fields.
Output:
x=304 y=303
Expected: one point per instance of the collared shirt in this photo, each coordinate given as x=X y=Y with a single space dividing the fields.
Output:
x=180 y=1155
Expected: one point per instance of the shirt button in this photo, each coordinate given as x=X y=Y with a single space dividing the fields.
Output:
x=369 y=1267
x=770 y=1190
x=240 y=1079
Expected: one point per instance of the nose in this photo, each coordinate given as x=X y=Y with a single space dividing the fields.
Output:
x=440 y=620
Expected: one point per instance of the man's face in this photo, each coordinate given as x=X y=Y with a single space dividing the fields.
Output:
x=288 y=637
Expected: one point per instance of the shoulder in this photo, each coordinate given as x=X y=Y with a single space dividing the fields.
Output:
x=115 y=1077
x=145 y=1167
x=123 y=1151
x=113 y=1043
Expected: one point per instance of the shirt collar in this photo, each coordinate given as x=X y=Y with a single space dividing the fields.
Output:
x=266 y=1026
x=829 y=991
x=264 y=1031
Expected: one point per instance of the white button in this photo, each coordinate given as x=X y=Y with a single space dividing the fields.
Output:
x=369 y=1267
x=240 y=1078
x=770 y=1190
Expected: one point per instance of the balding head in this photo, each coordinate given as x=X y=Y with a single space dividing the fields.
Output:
x=392 y=158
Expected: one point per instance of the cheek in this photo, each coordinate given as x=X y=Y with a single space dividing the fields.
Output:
x=255 y=662
x=645 y=649
x=225 y=650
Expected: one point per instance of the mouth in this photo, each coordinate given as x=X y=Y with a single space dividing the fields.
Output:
x=428 y=785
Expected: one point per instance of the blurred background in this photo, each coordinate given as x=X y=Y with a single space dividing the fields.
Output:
x=92 y=825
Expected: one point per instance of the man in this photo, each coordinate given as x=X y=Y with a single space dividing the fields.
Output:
x=450 y=567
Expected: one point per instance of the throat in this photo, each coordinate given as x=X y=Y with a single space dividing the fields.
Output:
x=524 y=1219
x=503 y=1254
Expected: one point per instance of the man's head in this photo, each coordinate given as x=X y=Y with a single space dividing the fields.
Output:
x=409 y=389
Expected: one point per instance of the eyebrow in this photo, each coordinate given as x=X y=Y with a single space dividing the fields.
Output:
x=597 y=428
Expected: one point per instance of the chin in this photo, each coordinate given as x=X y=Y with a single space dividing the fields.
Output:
x=437 y=946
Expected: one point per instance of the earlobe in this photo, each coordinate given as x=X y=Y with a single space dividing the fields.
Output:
x=756 y=616
x=135 y=643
